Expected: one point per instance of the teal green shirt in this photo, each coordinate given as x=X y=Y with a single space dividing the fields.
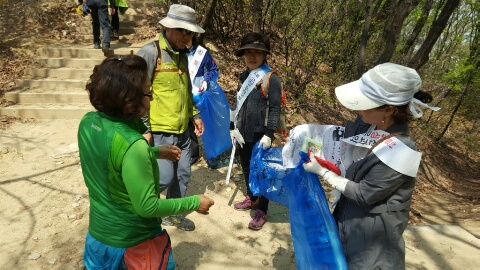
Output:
x=121 y=173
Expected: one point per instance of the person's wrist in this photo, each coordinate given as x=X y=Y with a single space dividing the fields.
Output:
x=269 y=133
x=322 y=171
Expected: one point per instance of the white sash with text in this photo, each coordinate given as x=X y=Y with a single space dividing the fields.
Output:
x=194 y=65
x=248 y=85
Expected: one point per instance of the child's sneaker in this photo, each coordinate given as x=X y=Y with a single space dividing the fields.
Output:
x=258 y=220
x=245 y=204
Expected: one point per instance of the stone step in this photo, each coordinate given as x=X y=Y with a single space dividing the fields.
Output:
x=60 y=73
x=123 y=48
x=89 y=38
x=70 y=52
x=69 y=62
x=47 y=97
x=123 y=30
x=47 y=111
x=53 y=84
x=57 y=90
x=141 y=5
x=125 y=20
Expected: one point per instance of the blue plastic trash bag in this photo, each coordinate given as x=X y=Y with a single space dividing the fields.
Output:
x=315 y=234
x=266 y=173
x=215 y=113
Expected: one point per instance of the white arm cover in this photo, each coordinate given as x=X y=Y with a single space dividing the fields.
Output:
x=338 y=182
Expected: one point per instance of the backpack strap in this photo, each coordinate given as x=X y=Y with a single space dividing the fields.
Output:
x=265 y=82
x=158 y=63
x=159 y=59
x=264 y=85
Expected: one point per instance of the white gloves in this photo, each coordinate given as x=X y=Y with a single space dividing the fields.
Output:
x=203 y=86
x=339 y=183
x=236 y=136
x=313 y=166
x=266 y=142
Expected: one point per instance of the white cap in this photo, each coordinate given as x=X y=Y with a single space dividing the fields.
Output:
x=387 y=83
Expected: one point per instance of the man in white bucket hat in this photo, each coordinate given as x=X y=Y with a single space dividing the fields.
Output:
x=172 y=106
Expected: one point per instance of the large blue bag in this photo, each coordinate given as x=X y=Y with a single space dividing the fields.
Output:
x=215 y=113
x=266 y=173
x=314 y=232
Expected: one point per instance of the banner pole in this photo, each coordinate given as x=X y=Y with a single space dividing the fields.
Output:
x=230 y=165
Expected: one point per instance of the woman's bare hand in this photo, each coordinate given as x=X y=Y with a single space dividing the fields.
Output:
x=170 y=152
x=205 y=203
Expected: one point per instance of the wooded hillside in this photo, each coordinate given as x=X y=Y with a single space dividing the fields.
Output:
x=318 y=45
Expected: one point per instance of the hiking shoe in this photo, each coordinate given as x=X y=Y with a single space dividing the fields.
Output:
x=96 y=45
x=258 y=220
x=179 y=221
x=106 y=48
x=246 y=204
x=212 y=163
x=115 y=33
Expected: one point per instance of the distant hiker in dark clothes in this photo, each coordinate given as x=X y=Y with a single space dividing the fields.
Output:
x=100 y=18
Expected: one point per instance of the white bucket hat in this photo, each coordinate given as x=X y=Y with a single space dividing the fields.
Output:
x=181 y=16
x=387 y=83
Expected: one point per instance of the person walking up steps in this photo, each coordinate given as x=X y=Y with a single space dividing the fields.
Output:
x=121 y=7
x=99 y=12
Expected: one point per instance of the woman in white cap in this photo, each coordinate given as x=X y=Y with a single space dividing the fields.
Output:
x=249 y=122
x=381 y=164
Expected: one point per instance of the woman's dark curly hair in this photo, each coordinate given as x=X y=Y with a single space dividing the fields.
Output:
x=401 y=115
x=116 y=86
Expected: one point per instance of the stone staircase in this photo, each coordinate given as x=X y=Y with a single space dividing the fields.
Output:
x=57 y=90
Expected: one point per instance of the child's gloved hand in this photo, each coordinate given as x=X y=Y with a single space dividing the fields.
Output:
x=266 y=142
x=236 y=136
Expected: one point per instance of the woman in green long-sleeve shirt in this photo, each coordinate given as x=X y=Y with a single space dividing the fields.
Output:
x=121 y=172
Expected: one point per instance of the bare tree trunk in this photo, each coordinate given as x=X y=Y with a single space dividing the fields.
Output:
x=468 y=87
x=393 y=27
x=205 y=23
x=454 y=112
x=474 y=64
x=442 y=98
x=377 y=7
x=418 y=27
x=364 y=38
x=257 y=15
x=421 y=57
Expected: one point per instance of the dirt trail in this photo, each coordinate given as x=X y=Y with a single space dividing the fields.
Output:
x=44 y=214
